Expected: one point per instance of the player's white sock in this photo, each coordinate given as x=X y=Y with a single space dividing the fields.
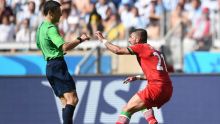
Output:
x=149 y=115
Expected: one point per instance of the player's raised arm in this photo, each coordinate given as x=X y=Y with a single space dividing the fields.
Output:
x=70 y=45
x=113 y=48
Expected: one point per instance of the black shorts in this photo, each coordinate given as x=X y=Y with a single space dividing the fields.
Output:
x=59 y=77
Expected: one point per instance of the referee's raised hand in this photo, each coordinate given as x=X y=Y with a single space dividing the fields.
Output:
x=85 y=37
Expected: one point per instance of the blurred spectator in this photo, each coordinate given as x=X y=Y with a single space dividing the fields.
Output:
x=32 y=15
x=103 y=5
x=7 y=30
x=109 y=12
x=40 y=13
x=63 y=24
x=16 y=5
x=155 y=8
x=114 y=29
x=125 y=15
x=95 y=22
x=73 y=29
x=142 y=6
x=82 y=5
x=6 y=11
x=153 y=28
x=178 y=19
x=124 y=5
x=215 y=17
x=42 y=2
x=178 y=16
x=37 y=5
x=194 y=11
x=118 y=2
x=137 y=21
x=66 y=4
x=182 y=3
x=199 y=37
x=24 y=34
x=80 y=17
x=74 y=11
x=201 y=32
x=73 y=21
x=211 y=4
x=170 y=5
x=84 y=8
x=29 y=12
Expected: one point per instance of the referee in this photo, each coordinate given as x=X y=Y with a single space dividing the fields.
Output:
x=53 y=48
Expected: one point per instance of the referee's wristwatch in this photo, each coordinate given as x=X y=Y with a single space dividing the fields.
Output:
x=80 y=39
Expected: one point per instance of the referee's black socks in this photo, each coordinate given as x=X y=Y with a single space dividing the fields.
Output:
x=67 y=113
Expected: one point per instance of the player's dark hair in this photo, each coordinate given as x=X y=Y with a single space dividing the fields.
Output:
x=142 y=33
x=50 y=6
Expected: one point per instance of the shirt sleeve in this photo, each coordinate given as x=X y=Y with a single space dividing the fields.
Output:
x=135 y=49
x=37 y=39
x=139 y=49
x=55 y=37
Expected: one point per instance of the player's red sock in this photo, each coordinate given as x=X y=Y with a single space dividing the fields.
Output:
x=124 y=118
x=152 y=120
x=149 y=116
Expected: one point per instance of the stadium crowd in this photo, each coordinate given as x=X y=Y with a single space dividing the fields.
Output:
x=195 y=23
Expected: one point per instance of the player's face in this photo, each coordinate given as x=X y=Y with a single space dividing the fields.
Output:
x=132 y=39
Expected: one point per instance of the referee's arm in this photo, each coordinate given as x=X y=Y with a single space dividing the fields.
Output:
x=70 y=45
x=59 y=41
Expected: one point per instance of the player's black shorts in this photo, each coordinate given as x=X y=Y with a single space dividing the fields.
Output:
x=59 y=77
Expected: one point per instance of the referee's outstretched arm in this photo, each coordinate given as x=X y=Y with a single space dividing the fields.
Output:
x=70 y=45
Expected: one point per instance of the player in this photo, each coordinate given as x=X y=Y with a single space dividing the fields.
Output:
x=159 y=88
x=53 y=48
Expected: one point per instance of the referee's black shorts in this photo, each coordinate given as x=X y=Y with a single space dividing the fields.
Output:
x=59 y=77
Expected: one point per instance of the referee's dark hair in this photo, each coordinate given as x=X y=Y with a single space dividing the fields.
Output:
x=142 y=33
x=50 y=6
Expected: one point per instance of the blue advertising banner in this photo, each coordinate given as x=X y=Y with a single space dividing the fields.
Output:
x=202 y=62
x=30 y=100
x=35 y=64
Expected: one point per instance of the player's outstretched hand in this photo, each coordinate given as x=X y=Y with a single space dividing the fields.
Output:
x=99 y=35
x=129 y=79
x=85 y=37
